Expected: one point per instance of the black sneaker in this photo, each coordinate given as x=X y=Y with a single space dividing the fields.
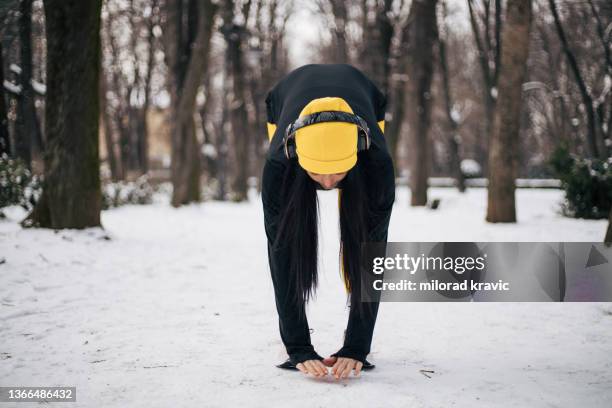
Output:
x=289 y=365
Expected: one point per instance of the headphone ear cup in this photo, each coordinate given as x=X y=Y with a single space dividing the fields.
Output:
x=362 y=141
x=290 y=148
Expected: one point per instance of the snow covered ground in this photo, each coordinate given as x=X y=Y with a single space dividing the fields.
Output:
x=175 y=308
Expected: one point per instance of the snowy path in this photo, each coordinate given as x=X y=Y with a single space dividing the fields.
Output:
x=176 y=309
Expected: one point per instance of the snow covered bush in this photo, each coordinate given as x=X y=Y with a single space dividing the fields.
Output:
x=17 y=184
x=115 y=194
x=587 y=184
x=470 y=168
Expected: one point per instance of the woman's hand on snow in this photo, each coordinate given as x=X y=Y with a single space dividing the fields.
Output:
x=342 y=366
x=314 y=367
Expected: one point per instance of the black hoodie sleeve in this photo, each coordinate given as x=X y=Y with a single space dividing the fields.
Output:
x=360 y=329
x=293 y=323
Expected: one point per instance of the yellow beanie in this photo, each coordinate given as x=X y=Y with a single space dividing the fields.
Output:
x=328 y=147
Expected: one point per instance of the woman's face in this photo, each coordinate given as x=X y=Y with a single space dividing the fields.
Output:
x=327 y=181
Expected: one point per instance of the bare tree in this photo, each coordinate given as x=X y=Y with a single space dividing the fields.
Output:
x=378 y=30
x=209 y=165
x=603 y=37
x=397 y=82
x=453 y=136
x=186 y=51
x=546 y=94
x=128 y=65
x=114 y=109
x=595 y=134
x=379 y=26
x=258 y=83
x=503 y=150
x=109 y=140
x=336 y=18
x=340 y=14
x=71 y=196
x=268 y=66
x=235 y=35
x=142 y=123
x=423 y=36
x=486 y=23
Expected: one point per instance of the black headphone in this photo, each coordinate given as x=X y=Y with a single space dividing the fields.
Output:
x=363 y=131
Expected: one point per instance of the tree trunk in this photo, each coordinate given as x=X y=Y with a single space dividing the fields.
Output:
x=71 y=195
x=187 y=60
x=453 y=127
x=221 y=140
x=396 y=109
x=339 y=32
x=25 y=123
x=209 y=168
x=112 y=116
x=240 y=127
x=109 y=140
x=119 y=112
x=503 y=150
x=376 y=44
x=5 y=140
x=234 y=35
x=396 y=92
x=257 y=141
x=423 y=36
x=137 y=114
x=143 y=131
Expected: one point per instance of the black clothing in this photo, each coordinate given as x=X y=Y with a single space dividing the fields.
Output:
x=284 y=103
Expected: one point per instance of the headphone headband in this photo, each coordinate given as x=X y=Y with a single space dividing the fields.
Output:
x=326 y=116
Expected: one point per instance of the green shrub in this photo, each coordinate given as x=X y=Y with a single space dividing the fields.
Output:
x=17 y=184
x=587 y=184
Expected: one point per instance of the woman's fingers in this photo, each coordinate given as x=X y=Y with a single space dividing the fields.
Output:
x=339 y=367
x=315 y=367
x=339 y=363
x=344 y=365
x=347 y=368
x=303 y=367
x=358 y=368
x=322 y=368
x=310 y=368
x=300 y=366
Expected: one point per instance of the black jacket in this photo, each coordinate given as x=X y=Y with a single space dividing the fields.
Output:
x=284 y=103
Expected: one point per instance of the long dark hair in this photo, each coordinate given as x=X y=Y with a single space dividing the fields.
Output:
x=298 y=230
